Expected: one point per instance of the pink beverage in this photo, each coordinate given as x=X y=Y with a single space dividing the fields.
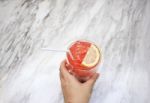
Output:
x=83 y=58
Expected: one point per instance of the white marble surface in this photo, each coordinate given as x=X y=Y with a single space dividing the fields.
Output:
x=120 y=27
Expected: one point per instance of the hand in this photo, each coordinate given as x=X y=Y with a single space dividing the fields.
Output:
x=73 y=90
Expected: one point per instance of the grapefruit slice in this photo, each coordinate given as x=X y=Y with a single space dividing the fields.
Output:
x=92 y=56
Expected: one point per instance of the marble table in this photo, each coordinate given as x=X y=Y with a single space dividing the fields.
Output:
x=29 y=74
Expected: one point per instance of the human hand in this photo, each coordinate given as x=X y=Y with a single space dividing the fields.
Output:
x=73 y=90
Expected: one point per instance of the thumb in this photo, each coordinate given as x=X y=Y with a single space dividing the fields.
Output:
x=92 y=80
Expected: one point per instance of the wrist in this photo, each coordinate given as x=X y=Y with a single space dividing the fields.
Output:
x=75 y=101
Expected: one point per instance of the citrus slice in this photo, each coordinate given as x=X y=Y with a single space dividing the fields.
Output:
x=92 y=57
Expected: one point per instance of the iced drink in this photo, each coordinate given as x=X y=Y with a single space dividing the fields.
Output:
x=83 y=58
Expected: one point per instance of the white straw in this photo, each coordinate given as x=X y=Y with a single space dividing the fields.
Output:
x=53 y=50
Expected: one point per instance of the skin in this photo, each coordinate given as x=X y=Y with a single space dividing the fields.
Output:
x=73 y=90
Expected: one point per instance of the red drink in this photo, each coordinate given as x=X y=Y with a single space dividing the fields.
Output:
x=83 y=57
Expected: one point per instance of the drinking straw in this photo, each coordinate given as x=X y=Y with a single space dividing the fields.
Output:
x=53 y=50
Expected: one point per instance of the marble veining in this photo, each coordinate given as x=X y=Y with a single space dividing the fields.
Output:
x=120 y=27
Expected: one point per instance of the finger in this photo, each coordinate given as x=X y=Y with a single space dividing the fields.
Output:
x=60 y=74
x=62 y=80
x=92 y=80
x=66 y=76
x=63 y=70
